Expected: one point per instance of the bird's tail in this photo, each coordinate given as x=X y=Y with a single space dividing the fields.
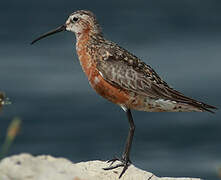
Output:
x=206 y=107
x=177 y=96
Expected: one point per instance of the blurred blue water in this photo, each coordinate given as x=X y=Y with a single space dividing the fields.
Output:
x=63 y=116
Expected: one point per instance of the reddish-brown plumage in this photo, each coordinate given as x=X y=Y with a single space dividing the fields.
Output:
x=121 y=77
x=102 y=87
x=118 y=75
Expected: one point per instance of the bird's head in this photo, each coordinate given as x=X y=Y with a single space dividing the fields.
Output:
x=79 y=22
x=82 y=21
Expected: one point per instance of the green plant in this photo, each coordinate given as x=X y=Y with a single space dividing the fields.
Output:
x=12 y=132
x=219 y=172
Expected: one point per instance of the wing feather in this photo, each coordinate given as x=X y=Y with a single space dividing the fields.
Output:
x=128 y=72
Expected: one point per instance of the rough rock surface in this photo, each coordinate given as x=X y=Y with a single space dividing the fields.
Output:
x=28 y=167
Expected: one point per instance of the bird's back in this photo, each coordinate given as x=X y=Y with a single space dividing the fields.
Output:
x=112 y=68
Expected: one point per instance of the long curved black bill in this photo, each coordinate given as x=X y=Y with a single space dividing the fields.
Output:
x=57 y=30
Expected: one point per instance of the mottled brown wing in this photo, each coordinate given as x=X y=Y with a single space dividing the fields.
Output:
x=135 y=76
x=129 y=75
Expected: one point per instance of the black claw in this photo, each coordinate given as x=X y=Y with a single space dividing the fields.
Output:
x=125 y=163
x=124 y=170
x=111 y=161
x=113 y=167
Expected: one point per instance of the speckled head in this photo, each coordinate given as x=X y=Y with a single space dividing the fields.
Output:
x=82 y=22
x=79 y=22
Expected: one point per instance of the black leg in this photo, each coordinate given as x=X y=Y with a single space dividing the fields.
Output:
x=130 y=136
x=125 y=160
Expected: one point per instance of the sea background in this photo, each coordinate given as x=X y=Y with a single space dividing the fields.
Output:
x=62 y=116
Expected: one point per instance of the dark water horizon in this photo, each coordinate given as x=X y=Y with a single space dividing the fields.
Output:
x=62 y=116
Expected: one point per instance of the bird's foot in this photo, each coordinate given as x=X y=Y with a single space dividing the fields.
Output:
x=125 y=163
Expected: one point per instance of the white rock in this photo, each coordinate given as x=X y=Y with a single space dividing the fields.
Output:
x=28 y=167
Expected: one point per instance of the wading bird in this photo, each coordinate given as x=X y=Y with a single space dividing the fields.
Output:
x=121 y=77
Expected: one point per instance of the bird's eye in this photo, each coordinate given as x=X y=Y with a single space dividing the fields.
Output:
x=75 y=19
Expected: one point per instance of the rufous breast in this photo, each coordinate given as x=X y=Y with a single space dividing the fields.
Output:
x=102 y=87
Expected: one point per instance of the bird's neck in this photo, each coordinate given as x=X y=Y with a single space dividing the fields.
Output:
x=86 y=50
x=87 y=39
x=82 y=40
